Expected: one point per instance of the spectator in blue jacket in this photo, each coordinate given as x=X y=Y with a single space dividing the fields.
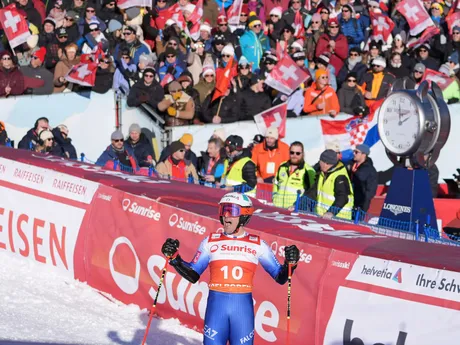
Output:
x=170 y=65
x=132 y=44
x=351 y=27
x=254 y=42
x=118 y=151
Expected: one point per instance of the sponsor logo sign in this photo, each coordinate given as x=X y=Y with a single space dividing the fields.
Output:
x=144 y=211
x=279 y=251
x=396 y=209
x=181 y=223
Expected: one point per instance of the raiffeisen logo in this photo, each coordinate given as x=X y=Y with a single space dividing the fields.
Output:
x=384 y=274
x=147 y=212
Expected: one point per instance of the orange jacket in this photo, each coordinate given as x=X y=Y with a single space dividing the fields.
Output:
x=328 y=97
x=268 y=162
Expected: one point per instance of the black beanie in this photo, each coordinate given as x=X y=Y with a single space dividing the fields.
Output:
x=176 y=146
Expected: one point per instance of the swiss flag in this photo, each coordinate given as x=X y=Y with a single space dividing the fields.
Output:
x=197 y=13
x=166 y=79
x=279 y=51
x=223 y=80
x=439 y=78
x=234 y=11
x=275 y=117
x=298 y=26
x=171 y=12
x=416 y=15
x=427 y=34
x=382 y=26
x=14 y=25
x=452 y=20
x=82 y=74
x=286 y=77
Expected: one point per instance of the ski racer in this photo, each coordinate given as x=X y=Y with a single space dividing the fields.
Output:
x=233 y=257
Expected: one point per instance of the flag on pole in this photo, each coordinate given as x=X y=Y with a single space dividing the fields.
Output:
x=82 y=74
x=275 y=116
x=14 y=25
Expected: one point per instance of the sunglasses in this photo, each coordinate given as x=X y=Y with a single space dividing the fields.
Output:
x=354 y=54
x=227 y=56
x=223 y=24
x=324 y=12
x=273 y=15
x=345 y=11
x=269 y=63
x=297 y=153
x=105 y=61
x=148 y=75
x=126 y=57
x=117 y=140
x=324 y=77
x=243 y=15
x=161 y=0
x=316 y=22
x=418 y=72
x=356 y=152
x=181 y=150
x=170 y=56
x=50 y=139
x=127 y=33
x=6 y=58
x=111 y=4
x=456 y=33
x=90 y=11
x=287 y=30
x=69 y=19
x=423 y=50
x=172 y=44
x=62 y=36
x=94 y=30
x=333 y=27
x=351 y=80
x=257 y=26
x=175 y=91
x=244 y=67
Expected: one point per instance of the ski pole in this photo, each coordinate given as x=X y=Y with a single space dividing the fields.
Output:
x=152 y=309
x=288 y=316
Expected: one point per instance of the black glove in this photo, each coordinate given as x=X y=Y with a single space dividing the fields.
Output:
x=291 y=254
x=170 y=247
x=171 y=70
x=452 y=101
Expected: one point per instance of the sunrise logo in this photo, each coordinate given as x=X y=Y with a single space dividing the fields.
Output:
x=397 y=277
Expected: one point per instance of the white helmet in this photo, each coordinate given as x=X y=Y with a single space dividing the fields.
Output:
x=244 y=208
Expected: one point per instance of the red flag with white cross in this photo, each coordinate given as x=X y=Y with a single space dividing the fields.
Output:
x=286 y=77
x=453 y=20
x=275 y=117
x=416 y=15
x=82 y=74
x=14 y=25
x=439 y=78
x=382 y=26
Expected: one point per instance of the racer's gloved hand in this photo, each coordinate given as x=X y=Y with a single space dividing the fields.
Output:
x=292 y=254
x=170 y=247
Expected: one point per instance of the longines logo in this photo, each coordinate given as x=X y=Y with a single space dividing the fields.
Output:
x=401 y=340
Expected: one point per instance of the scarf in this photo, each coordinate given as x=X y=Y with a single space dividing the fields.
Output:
x=351 y=64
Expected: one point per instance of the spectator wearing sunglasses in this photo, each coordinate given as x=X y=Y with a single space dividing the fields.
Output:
x=294 y=7
x=207 y=81
x=453 y=43
x=47 y=145
x=287 y=37
x=269 y=62
x=223 y=29
x=70 y=24
x=320 y=98
x=292 y=176
x=313 y=33
x=104 y=75
x=376 y=83
x=351 y=27
x=175 y=167
x=131 y=44
x=177 y=106
x=254 y=42
x=333 y=43
x=68 y=59
x=254 y=100
x=350 y=95
x=423 y=56
x=88 y=17
x=109 y=11
x=118 y=151
x=58 y=13
x=275 y=25
x=147 y=90
x=126 y=74
x=88 y=42
x=352 y=64
x=240 y=29
x=171 y=65
x=37 y=70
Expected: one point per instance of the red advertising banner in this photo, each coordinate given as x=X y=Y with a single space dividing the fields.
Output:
x=92 y=224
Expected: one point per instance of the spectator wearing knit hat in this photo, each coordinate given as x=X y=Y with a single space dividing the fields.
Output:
x=320 y=98
x=178 y=107
x=205 y=35
x=275 y=25
x=350 y=95
x=171 y=65
x=33 y=16
x=104 y=75
x=197 y=59
x=423 y=56
x=322 y=62
x=352 y=64
x=147 y=90
x=207 y=82
x=269 y=62
x=415 y=78
x=109 y=11
x=186 y=81
x=132 y=44
x=46 y=144
x=46 y=36
x=37 y=70
x=187 y=140
x=71 y=25
x=142 y=148
x=334 y=43
x=176 y=166
x=254 y=42
x=377 y=82
x=88 y=17
x=95 y=36
x=229 y=36
x=254 y=100
x=118 y=152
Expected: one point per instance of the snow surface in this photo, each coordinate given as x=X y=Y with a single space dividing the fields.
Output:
x=39 y=306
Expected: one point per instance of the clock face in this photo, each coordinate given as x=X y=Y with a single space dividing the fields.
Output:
x=399 y=123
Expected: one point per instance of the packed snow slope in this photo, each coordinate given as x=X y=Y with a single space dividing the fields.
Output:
x=39 y=306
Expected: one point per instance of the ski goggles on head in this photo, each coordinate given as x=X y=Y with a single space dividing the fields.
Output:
x=232 y=210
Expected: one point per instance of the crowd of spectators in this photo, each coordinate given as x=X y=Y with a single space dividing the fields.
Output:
x=150 y=59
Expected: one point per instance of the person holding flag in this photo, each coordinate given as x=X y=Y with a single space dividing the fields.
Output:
x=230 y=310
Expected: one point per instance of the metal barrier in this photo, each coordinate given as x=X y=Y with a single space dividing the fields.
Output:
x=302 y=204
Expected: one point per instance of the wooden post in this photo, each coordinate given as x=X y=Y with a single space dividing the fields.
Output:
x=220 y=104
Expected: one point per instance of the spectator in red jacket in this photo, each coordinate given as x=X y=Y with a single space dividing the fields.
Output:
x=334 y=43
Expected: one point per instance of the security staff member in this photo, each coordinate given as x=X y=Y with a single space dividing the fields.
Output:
x=334 y=193
x=292 y=176
x=240 y=170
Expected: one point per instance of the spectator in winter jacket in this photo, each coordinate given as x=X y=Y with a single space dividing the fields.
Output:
x=322 y=62
x=294 y=7
x=351 y=27
x=46 y=36
x=33 y=16
x=4 y=140
x=89 y=16
x=12 y=81
x=124 y=74
x=206 y=84
x=132 y=44
x=178 y=106
x=268 y=155
x=363 y=177
x=47 y=145
x=397 y=68
x=104 y=75
x=334 y=43
x=377 y=83
x=423 y=56
x=61 y=137
x=187 y=140
x=186 y=82
x=415 y=78
x=118 y=151
x=275 y=26
x=254 y=100
x=350 y=95
x=175 y=166
x=68 y=59
x=38 y=71
x=143 y=149
x=147 y=90
x=254 y=42
x=227 y=112
x=352 y=64
x=211 y=164
x=31 y=138
x=320 y=98
x=170 y=66
x=89 y=41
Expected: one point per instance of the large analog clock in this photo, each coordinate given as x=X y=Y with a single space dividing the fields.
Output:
x=414 y=124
